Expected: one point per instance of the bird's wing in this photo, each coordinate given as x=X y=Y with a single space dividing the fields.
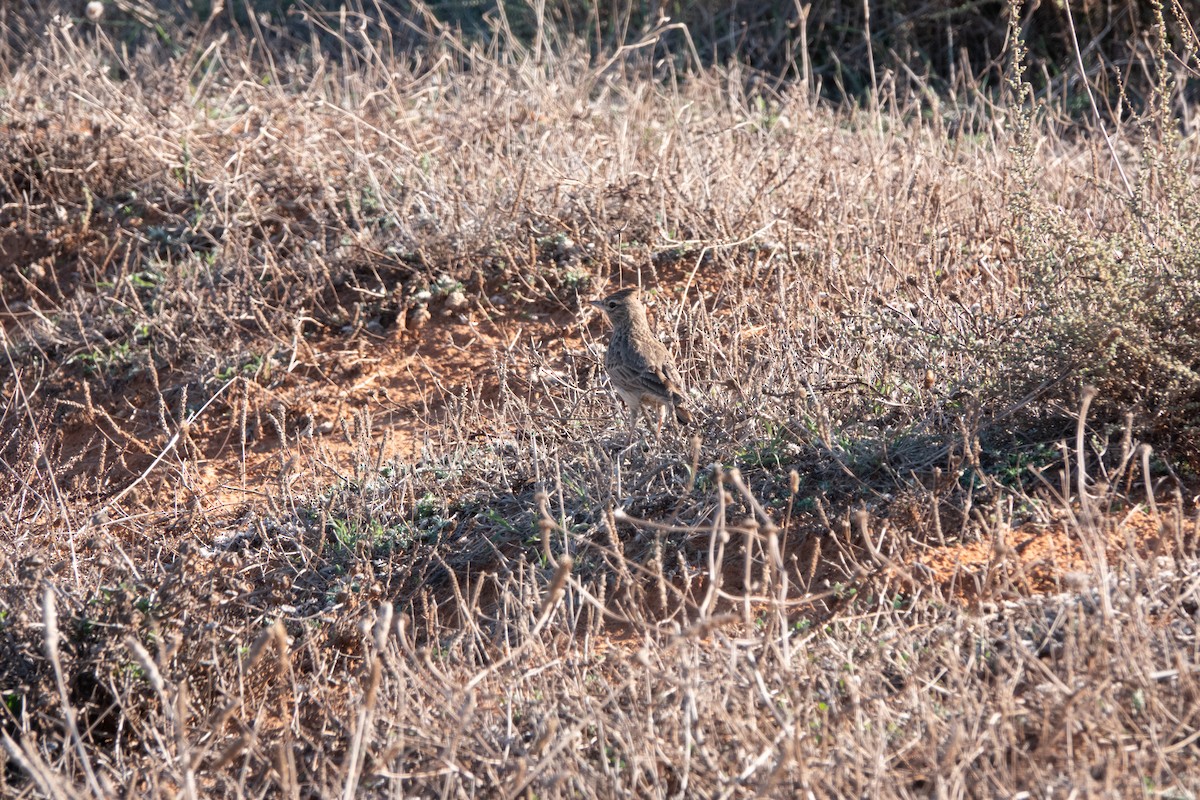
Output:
x=673 y=379
x=660 y=361
x=636 y=371
x=651 y=368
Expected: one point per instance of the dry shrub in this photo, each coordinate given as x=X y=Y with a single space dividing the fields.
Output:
x=1111 y=284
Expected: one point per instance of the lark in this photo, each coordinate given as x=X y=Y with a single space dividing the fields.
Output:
x=639 y=367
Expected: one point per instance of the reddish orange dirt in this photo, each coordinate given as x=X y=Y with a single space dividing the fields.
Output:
x=402 y=382
x=1041 y=559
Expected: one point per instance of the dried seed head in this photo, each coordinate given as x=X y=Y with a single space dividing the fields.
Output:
x=94 y=10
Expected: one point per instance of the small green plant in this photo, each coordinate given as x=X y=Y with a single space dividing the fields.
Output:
x=254 y=365
x=1016 y=464
x=99 y=361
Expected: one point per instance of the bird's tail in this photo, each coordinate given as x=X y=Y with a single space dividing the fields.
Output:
x=682 y=415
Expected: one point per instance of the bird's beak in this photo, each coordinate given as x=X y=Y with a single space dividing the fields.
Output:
x=596 y=303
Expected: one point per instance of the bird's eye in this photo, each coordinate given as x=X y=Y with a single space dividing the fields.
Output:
x=612 y=303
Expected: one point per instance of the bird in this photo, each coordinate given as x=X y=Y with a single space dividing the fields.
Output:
x=640 y=369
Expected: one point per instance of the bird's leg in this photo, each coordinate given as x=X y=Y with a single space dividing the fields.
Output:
x=662 y=416
x=634 y=408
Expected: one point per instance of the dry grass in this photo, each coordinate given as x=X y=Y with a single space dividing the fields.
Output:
x=191 y=243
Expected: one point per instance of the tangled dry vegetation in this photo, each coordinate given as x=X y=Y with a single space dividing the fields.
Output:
x=312 y=485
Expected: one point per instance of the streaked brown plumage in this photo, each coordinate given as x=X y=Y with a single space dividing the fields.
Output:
x=640 y=368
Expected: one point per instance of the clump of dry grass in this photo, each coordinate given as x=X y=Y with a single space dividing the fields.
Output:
x=521 y=608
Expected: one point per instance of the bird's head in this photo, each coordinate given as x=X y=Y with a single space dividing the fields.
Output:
x=621 y=305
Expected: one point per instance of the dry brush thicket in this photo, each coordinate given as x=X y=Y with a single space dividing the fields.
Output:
x=864 y=305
